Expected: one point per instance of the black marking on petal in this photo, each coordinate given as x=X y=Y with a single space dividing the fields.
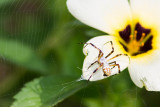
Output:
x=126 y=33
x=141 y=30
x=147 y=46
x=126 y=49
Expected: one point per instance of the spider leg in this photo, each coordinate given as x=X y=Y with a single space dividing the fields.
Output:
x=114 y=62
x=93 y=64
x=95 y=71
x=117 y=56
x=117 y=66
x=112 y=49
x=100 y=52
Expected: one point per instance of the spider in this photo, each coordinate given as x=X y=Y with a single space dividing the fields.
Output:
x=103 y=61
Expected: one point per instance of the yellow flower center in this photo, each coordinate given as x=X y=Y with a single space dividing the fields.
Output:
x=134 y=45
x=137 y=42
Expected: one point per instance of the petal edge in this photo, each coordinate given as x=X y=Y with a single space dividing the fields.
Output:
x=105 y=15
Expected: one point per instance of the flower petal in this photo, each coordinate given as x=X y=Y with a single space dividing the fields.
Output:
x=145 y=71
x=102 y=42
x=147 y=13
x=105 y=15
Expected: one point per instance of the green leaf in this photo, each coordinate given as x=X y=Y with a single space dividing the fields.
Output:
x=47 y=91
x=20 y=54
x=3 y=2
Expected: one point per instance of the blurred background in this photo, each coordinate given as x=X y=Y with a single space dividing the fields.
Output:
x=40 y=38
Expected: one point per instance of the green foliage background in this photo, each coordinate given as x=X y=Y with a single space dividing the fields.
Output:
x=40 y=61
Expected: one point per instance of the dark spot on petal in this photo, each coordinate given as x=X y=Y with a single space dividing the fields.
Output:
x=126 y=33
x=147 y=46
x=141 y=30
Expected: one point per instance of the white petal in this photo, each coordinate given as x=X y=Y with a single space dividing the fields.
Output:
x=92 y=56
x=147 y=13
x=105 y=15
x=145 y=71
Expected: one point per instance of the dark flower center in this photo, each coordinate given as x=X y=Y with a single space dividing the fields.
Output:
x=139 y=41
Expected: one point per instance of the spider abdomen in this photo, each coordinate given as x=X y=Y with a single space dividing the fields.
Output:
x=107 y=71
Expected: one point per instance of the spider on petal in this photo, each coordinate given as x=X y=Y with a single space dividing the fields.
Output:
x=104 y=62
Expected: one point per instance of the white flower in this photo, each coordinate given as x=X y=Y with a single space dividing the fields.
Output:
x=135 y=28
